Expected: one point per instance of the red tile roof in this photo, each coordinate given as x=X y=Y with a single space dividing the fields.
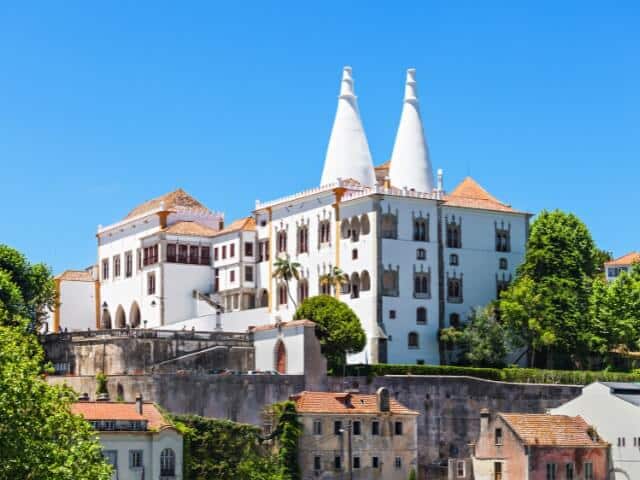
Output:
x=552 y=430
x=121 y=411
x=75 y=276
x=177 y=198
x=470 y=194
x=344 y=403
x=628 y=259
x=247 y=224
x=190 y=228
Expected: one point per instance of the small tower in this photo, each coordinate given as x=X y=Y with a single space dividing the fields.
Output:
x=348 y=154
x=410 y=164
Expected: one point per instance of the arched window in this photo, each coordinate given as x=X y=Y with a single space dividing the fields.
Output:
x=282 y=294
x=453 y=259
x=281 y=357
x=421 y=315
x=390 y=283
x=324 y=231
x=346 y=285
x=454 y=290
x=420 y=231
x=264 y=298
x=365 y=281
x=355 y=285
x=121 y=319
x=282 y=241
x=454 y=320
x=389 y=226
x=324 y=287
x=365 y=227
x=303 y=239
x=421 y=285
x=355 y=229
x=421 y=254
x=303 y=290
x=503 y=264
x=105 y=321
x=134 y=315
x=454 y=234
x=167 y=463
x=345 y=228
x=412 y=340
x=120 y=392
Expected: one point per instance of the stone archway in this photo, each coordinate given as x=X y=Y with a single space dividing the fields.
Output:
x=134 y=315
x=280 y=357
x=105 y=321
x=121 y=319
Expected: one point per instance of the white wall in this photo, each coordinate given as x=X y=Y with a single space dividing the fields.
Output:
x=77 y=306
x=265 y=342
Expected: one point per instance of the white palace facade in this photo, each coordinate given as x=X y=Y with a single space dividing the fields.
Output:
x=415 y=257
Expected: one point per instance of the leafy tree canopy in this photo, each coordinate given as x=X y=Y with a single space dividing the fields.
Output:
x=337 y=327
x=39 y=438
x=26 y=290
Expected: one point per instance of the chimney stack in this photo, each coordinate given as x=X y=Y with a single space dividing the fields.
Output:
x=139 y=403
x=484 y=420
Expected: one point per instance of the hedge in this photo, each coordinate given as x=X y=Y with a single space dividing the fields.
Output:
x=516 y=375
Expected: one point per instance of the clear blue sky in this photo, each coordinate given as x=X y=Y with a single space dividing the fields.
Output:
x=106 y=104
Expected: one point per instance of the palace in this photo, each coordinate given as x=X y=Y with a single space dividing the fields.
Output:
x=412 y=257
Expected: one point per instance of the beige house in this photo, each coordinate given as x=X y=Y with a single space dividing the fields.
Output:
x=137 y=440
x=353 y=435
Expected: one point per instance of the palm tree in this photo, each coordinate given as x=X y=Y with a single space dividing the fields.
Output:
x=285 y=270
x=336 y=278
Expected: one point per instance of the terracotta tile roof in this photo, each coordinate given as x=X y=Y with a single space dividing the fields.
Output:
x=344 y=403
x=190 y=228
x=247 y=224
x=75 y=276
x=293 y=323
x=177 y=198
x=121 y=411
x=550 y=430
x=470 y=194
x=627 y=259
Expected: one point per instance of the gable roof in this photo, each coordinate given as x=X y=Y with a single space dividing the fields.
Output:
x=470 y=194
x=190 y=228
x=121 y=411
x=177 y=198
x=247 y=224
x=628 y=259
x=542 y=429
x=344 y=403
x=75 y=276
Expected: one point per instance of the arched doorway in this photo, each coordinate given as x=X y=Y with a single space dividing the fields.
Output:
x=281 y=357
x=105 y=321
x=121 y=319
x=134 y=315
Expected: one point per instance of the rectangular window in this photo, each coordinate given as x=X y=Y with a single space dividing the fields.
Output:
x=224 y=252
x=248 y=249
x=337 y=427
x=392 y=314
x=111 y=456
x=215 y=253
x=116 y=266
x=317 y=463
x=621 y=441
x=232 y=250
x=375 y=427
x=236 y=301
x=551 y=471
x=105 y=268
x=498 y=436
x=356 y=462
x=194 y=254
x=216 y=279
x=569 y=471
x=398 y=463
x=128 y=264
x=205 y=256
x=588 y=471
x=356 y=427
x=183 y=253
x=317 y=427
x=151 y=283
x=150 y=255
x=497 y=471
x=135 y=458
x=263 y=251
x=337 y=463
x=171 y=252
x=375 y=462
x=398 y=428
x=248 y=273
x=460 y=469
x=139 y=259
x=232 y=276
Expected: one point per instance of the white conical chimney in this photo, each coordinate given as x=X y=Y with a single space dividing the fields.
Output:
x=348 y=154
x=410 y=164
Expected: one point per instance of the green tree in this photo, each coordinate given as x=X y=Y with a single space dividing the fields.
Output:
x=335 y=279
x=337 y=327
x=600 y=258
x=547 y=305
x=286 y=270
x=39 y=437
x=26 y=290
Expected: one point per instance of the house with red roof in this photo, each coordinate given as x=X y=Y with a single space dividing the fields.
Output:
x=615 y=267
